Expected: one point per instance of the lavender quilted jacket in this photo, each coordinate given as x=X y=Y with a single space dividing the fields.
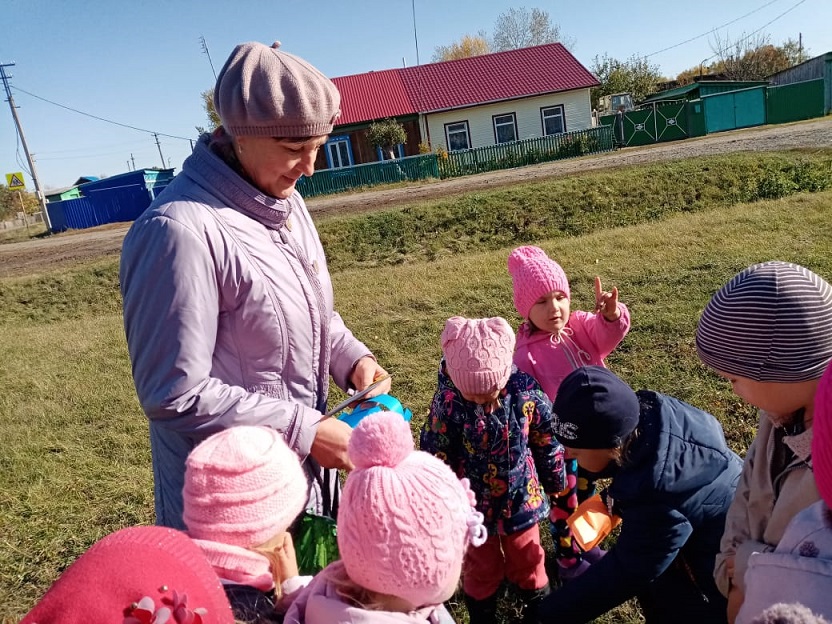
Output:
x=228 y=311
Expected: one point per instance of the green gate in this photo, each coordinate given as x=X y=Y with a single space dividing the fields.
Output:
x=651 y=125
x=735 y=109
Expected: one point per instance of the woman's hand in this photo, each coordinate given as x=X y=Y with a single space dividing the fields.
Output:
x=366 y=371
x=329 y=448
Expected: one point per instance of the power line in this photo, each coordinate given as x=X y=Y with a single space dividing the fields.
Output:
x=747 y=37
x=110 y=121
x=705 y=34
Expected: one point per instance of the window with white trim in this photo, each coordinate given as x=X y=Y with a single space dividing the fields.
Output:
x=505 y=128
x=554 y=120
x=457 y=136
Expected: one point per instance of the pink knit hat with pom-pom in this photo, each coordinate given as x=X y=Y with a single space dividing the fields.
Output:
x=478 y=353
x=822 y=437
x=405 y=520
x=243 y=486
x=534 y=274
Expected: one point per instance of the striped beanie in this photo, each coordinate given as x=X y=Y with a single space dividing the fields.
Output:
x=822 y=437
x=771 y=323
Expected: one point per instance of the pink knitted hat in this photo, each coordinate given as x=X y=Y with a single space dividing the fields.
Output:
x=534 y=274
x=822 y=437
x=405 y=520
x=478 y=353
x=138 y=574
x=263 y=91
x=243 y=486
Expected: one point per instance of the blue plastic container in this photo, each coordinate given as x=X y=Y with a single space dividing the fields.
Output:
x=380 y=403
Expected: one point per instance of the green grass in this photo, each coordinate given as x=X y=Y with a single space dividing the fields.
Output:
x=568 y=207
x=75 y=460
x=18 y=235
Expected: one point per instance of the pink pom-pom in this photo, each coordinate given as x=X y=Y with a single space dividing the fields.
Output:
x=381 y=439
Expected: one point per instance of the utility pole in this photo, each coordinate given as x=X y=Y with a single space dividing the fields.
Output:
x=132 y=158
x=32 y=169
x=208 y=54
x=159 y=145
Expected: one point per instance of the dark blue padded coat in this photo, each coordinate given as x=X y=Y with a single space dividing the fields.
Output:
x=672 y=492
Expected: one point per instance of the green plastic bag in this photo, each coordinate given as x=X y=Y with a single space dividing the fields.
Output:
x=316 y=542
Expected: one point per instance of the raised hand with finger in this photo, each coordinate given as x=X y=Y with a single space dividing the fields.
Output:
x=606 y=302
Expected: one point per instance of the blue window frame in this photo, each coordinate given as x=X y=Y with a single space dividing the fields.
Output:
x=339 y=152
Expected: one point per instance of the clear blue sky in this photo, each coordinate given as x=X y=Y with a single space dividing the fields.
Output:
x=141 y=63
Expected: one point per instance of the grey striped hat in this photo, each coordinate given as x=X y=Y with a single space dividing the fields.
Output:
x=771 y=322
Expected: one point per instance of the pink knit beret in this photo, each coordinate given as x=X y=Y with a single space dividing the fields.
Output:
x=405 y=520
x=243 y=486
x=533 y=275
x=478 y=353
x=262 y=91
x=138 y=574
x=822 y=437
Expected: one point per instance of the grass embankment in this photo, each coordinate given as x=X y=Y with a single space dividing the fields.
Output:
x=75 y=461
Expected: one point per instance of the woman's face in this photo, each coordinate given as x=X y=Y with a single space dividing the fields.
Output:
x=275 y=165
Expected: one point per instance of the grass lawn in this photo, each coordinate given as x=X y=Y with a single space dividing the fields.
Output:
x=75 y=459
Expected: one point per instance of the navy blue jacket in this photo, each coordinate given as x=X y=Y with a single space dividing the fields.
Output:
x=672 y=492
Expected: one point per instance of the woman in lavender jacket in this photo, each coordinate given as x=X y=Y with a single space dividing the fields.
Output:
x=228 y=303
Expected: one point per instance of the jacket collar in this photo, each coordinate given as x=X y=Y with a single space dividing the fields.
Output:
x=210 y=172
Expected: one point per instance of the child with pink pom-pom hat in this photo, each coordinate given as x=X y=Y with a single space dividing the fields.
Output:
x=404 y=525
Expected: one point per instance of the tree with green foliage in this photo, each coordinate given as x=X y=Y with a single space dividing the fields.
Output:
x=10 y=203
x=467 y=46
x=214 y=121
x=636 y=76
x=386 y=134
x=522 y=28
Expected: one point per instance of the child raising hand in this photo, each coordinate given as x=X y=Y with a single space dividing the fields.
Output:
x=553 y=341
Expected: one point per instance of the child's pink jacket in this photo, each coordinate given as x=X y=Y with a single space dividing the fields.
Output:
x=587 y=339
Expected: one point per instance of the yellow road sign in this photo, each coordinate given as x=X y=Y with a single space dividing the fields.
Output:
x=15 y=181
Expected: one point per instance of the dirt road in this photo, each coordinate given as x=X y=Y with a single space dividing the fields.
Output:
x=83 y=245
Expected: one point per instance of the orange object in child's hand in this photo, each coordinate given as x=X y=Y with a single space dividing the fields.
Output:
x=592 y=522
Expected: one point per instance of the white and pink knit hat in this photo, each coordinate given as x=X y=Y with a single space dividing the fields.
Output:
x=243 y=486
x=534 y=274
x=405 y=519
x=478 y=353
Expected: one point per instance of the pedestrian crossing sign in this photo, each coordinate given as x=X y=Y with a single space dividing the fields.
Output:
x=15 y=181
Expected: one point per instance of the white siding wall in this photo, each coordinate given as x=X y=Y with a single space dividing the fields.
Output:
x=526 y=111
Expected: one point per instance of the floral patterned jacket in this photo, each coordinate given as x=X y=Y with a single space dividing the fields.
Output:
x=509 y=454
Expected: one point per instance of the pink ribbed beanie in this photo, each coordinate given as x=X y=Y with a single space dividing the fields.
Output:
x=533 y=275
x=822 y=437
x=478 y=353
x=263 y=91
x=243 y=486
x=405 y=520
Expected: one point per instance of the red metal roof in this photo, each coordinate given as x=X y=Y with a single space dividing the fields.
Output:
x=374 y=95
x=456 y=84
